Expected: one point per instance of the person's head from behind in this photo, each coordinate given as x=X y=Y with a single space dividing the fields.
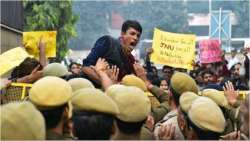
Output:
x=26 y=67
x=51 y=95
x=93 y=125
x=200 y=126
x=134 y=108
x=93 y=114
x=180 y=83
x=130 y=34
x=75 y=68
x=21 y=121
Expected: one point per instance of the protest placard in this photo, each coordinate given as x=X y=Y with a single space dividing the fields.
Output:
x=209 y=51
x=12 y=58
x=31 y=40
x=172 y=49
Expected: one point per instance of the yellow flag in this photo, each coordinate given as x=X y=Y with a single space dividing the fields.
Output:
x=172 y=49
x=12 y=58
x=31 y=40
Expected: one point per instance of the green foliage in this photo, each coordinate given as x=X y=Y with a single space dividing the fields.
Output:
x=93 y=23
x=166 y=15
x=95 y=18
x=51 y=15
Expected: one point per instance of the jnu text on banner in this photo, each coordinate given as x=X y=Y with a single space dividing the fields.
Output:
x=210 y=51
x=172 y=49
x=31 y=40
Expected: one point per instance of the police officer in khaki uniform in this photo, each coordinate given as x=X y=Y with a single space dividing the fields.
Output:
x=134 y=107
x=21 y=121
x=93 y=115
x=79 y=83
x=231 y=114
x=179 y=83
x=55 y=69
x=171 y=118
x=51 y=96
x=202 y=119
x=132 y=80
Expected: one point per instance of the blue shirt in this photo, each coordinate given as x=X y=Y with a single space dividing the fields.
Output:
x=111 y=49
x=99 y=50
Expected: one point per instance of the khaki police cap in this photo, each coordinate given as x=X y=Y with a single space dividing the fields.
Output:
x=21 y=121
x=181 y=82
x=186 y=99
x=132 y=80
x=55 y=69
x=207 y=115
x=133 y=104
x=114 y=89
x=50 y=91
x=217 y=96
x=91 y=99
x=78 y=83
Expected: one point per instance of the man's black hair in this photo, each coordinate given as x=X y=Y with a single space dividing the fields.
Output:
x=53 y=116
x=207 y=72
x=129 y=127
x=202 y=134
x=131 y=23
x=92 y=125
x=167 y=67
x=73 y=63
x=25 y=68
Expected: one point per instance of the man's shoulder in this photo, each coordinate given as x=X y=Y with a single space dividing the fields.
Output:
x=105 y=38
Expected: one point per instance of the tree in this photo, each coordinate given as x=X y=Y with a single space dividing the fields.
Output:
x=92 y=24
x=51 y=15
x=95 y=18
x=167 y=15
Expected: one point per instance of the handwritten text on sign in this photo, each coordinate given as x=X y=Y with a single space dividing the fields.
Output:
x=172 y=49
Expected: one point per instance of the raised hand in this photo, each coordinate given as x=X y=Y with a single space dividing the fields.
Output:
x=230 y=93
x=231 y=136
x=101 y=65
x=166 y=132
x=35 y=74
x=113 y=73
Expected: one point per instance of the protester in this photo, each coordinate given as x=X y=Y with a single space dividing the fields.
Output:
x=30 y=69
x=167 y=72
x=233 y=60
x=115 y=51
x=164 y=85
x=75 y=68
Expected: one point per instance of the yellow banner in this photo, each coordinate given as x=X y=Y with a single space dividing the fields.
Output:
x=12 y=58
x=31 y=40
x=172 y=49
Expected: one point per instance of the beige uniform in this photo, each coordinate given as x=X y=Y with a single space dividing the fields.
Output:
x=170 y=118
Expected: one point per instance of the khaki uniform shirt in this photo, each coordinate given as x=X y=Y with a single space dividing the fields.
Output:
x=170 y=118
x=160 y=111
